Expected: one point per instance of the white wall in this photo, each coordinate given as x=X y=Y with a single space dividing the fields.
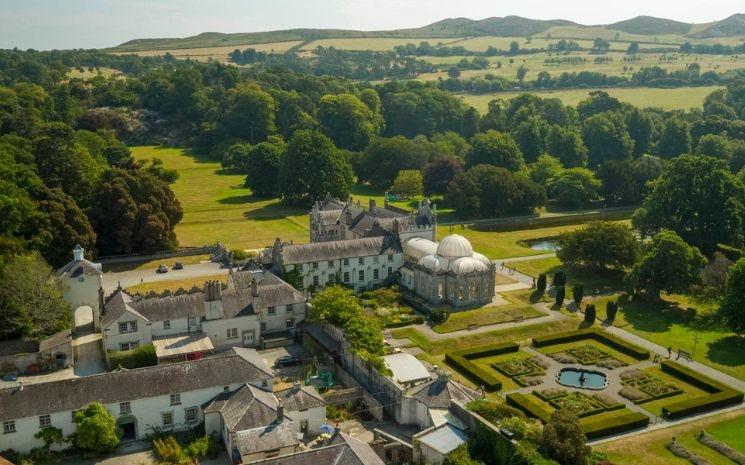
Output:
x=217 y=330
x=112 y=337
x=338 y=269
x=315 y=416
x=83 y=291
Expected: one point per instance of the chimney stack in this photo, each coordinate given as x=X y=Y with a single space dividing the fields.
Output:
x=254 y=287
x=280 y=412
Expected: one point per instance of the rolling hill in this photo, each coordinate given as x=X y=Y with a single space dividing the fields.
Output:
x=508 y=26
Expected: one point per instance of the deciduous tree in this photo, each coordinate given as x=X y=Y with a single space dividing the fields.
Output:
x=96 y=432
x=496 y=149
x=732 y=308
x=563 y=439
x=599 y=245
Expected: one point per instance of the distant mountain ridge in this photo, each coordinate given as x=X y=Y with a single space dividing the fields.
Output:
x=507 y=26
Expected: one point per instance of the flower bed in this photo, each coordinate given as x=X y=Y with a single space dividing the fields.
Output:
x=652 y=387
x=588 y=354
x=524 y=371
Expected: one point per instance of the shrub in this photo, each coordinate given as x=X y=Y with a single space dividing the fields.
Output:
x=439 y=316
x=462 y=360
x=529 y=406
x=563 y=439
x=416 y=320
x=590 y=314
x=611 y=308
x=203 y=447
x=618 y=424
x=560 y=294
x=238 y=254
x=541 y=284
x=578 y=292
x=610 y=363
x=525 y=429
x=560 y=279
x=169 y=451
x=494 y=411
x=679 y=450
x=96 y=432
x=594 y=334
x=563 y=357
x=141 y=357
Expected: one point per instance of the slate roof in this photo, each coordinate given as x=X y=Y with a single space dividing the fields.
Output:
x=55 y=340
x=237 y=301
x=126 y=385
x=298 y=398
x=78 y=268
x=444 y=439
x=439 y=393
x=246 y=408
x=273 y=436
x=18 y=346
x=337 y=250
x=342 y=450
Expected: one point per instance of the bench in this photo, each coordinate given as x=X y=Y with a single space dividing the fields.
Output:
x=686 y=355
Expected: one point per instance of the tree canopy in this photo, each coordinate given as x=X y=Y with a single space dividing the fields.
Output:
x=599 y=245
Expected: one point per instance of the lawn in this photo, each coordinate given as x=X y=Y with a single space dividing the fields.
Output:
x=682 y=98
x=675 y=322
x=218 y=207
x=490 y=315
x=651 y=445
x=593 y=281
x=732 y=433
x=174 y=285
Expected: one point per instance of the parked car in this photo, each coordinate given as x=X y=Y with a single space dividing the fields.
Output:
x=178 y=266
x=10 y=377
x=287 y=361
x=162 y=269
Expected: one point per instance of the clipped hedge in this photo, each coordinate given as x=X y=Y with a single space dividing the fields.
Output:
x=462 y=360
x=417 y=320
x=622 y=423
x=529 y=406
x=143 y=356
x=595 y=334
x=720 y=395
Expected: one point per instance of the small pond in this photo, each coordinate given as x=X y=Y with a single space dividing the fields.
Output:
x=583 y=379
x=545 y=244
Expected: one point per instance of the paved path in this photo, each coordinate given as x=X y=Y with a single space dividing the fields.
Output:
x=130 y=278
x=89 y=356
x=699 y=367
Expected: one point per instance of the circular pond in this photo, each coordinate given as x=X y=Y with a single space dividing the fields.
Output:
x=544 y=244
x=583 y=379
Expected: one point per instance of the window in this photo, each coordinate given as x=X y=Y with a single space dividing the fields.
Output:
x=332 y=278
x=175 y=399
x=376 y=274
x=330 y=263
x=167 y=419
x=129 y=345
x=166 y=324
x=271 y=310
x=362 y=275
x=9 y=427
x=375 y=259
x=226 y=389
x=190 y=414
x=232 y=333
x=192 y=321
x=315 y=265
x=128 y=327
x=263 y=326
x=390 y=257
x=316 y=281
x=346 y=276
x=125 y=408
x=264 y=383
x=361 y=260
x=390 y=271
x=45 y=421
x=289 y=308
x=290 y=323
x=346 y=262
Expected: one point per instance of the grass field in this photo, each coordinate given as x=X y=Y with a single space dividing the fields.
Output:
x=651 y=446
x=216 y=53
x=378 y=44
x=218 y=207
x=174 y=285
x=89 y=73
x=491 y=315
x=683 y=98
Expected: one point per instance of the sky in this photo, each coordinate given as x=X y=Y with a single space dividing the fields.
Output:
x=63 y=24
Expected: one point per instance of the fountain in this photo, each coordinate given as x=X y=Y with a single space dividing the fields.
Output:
x=581 y=378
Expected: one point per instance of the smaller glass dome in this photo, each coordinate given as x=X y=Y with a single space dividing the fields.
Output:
x=454 y=246
x=482 y=258
x=467 y=265
x=434 y=264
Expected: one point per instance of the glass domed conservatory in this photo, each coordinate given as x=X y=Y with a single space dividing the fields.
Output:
x=447 y=272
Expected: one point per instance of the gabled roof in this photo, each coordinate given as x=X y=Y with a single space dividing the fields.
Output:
x=336 y=250
x=439 y=393
x=265 y=438
x=128 y=385
x=341 y=450
x=119 y=304
x=298 y=398
x=246 y=408
x=78 y=268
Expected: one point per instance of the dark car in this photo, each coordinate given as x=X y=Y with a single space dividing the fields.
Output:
x=178 y=266
x=287 y=361
x=162 y=269
x=10 y=377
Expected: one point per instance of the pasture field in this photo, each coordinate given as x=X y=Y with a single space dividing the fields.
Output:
x=89 y=73
x=651 y=445
x=218 y=207
x=535 y=63
x=682 y=98
x=216 y=53
x=377 y=44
